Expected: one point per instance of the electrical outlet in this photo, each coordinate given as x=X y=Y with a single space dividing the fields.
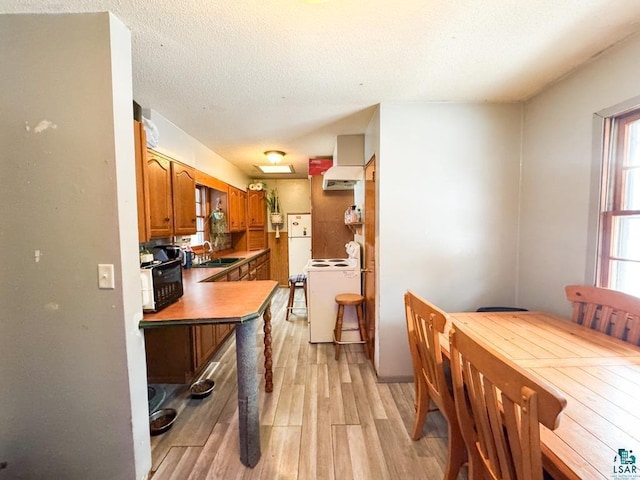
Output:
x=106 y=278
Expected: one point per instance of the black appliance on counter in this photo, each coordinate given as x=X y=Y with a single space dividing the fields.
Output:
x=161 y=285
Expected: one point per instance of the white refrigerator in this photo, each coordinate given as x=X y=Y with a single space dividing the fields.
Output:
x=299 y=234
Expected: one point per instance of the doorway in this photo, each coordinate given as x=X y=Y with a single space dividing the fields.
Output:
x=369 y=270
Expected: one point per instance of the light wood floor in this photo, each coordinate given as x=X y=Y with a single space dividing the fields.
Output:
x=325 y=419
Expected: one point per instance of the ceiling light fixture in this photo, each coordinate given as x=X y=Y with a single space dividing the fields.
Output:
x=274 y=156
x=275 y=168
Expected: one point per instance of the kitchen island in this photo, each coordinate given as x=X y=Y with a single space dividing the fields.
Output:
x=241 y=304
x=178 y=355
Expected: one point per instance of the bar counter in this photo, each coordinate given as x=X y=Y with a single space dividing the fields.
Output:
x=240 y=303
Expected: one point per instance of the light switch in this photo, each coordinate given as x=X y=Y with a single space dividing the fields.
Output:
x=105 y=276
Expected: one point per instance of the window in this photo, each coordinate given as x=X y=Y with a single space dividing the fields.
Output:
x=619 y=266
x=201 y=215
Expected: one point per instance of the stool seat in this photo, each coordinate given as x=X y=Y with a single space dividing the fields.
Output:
x=298 y=278
x=349 y=299
x=295 y=281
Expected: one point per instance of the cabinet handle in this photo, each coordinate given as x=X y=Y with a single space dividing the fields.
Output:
x=167 y=219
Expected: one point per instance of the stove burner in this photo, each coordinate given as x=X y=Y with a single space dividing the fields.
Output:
x=321 y=265
x=341 y=265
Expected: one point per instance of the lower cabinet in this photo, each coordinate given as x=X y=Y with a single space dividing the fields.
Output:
x=205 y=343
x=178 y=354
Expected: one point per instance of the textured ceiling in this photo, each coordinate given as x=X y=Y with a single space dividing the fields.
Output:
x=244 y=76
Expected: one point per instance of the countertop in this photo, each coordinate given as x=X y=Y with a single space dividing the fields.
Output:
x=207 y=302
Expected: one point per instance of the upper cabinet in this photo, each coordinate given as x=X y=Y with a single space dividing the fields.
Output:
x=256 y=208
x=160 y=202
x=142 y=182
x=171 y=194
x=257 y=213
x=237 y=209
x=183 y=187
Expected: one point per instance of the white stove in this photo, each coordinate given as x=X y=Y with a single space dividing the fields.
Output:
x=326 y=278
x=327 y=264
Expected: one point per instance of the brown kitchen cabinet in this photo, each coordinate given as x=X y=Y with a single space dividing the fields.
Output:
x=171 y=196
x=237 y=209
x=142 y=182
x=160 y=201
x=205 y=343
x=256 y=239
x=263 y=269
x=183 y=188
x=257 y=218
x=256 y=208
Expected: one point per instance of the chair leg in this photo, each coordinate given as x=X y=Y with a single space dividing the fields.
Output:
x=304 y=288
x=337 y=332
x=457 y=452
x=363 y=330
x=422 y=409
x=292 y=292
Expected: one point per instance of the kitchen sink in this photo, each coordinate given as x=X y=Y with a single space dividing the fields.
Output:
x=218 y=262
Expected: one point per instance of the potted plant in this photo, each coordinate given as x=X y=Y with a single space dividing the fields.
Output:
x=273 y=204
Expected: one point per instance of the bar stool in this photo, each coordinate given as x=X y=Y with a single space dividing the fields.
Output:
x=296 y=281
x=346 y=299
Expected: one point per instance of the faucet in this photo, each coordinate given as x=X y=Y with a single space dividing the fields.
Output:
x=207 y=253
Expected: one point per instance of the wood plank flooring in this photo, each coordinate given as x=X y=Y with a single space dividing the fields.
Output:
x=325 y=419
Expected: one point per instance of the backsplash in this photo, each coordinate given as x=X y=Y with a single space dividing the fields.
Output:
x=222 y=241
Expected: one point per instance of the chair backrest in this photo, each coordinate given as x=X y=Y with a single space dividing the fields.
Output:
x=424 y=324
x=499 y=407
x=609 y=311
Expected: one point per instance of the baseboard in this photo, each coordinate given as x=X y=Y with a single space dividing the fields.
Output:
x=400 y=379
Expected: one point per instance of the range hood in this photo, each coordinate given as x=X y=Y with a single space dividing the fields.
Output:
x=341 y=178
x=348 y=164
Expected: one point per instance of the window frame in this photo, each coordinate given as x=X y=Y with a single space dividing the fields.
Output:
x=205 y=208
x=615 y=136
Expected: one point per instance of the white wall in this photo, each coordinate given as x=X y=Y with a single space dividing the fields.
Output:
x=294 y=195
x=447 y=213
x=177 y=144
x=559 y=194
x=73 y=396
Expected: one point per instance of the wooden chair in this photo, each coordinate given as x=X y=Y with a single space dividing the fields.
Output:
x=424 y=324
x=609 y=311
x=500 y=407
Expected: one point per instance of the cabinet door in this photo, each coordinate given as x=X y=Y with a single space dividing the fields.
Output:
x=142 y=182
x=263 y=272
x=233 y=275
x=184 y=199
x=160 y=204
x=233 y=209
x=256 y=208
x=242 y=213
x=257 y=239
x=237 y=209
x=205 y=337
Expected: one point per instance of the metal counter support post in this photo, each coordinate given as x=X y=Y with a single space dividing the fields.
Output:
x=248 y=411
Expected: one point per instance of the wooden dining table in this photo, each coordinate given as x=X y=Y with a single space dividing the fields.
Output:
x=599 y=429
